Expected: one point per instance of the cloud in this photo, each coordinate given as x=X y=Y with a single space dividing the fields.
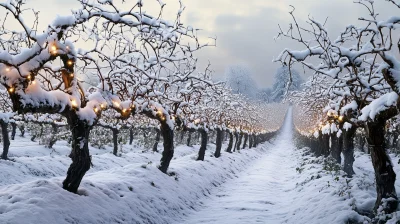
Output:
x=245 y=29
x=246 y=40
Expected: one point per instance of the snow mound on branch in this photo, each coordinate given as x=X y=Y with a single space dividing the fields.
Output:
x=346 y=126
x=378 y=105
x=351 y=106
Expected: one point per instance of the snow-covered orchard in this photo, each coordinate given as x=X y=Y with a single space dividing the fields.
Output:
x=352 y=94
x=108 y=116
x=102 y=87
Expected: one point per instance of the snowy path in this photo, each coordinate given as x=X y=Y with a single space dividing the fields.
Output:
x=271 y=184
x=259 y=195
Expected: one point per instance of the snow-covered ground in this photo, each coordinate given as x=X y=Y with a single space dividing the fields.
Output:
x=125 y=189
x=259 y=194
x=272 y=191
x=287 y=185
x=274 y=183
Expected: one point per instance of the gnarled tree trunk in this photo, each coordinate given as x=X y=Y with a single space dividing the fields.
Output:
x=53 y=138
x=22 y=130
x=168 y=152
x=348 y=150
x=239 y=142
x=336 y=148
x=385 y=177
x=6 y=139
x=236 y=140
x=13 y=130
x=230 y=144
x=130 y=136
x=115 y=133
x=246 y=137
x=255 y=140
x=325 y=144
x=203 y=146
x=218 y=143
x=81 y=159
x=189 y=138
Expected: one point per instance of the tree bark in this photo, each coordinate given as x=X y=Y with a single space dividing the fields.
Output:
x=239 y=142
x=81 y=159
x=246 y=137
x=6 y=139
x=218 y=143
x=236 y=141
x=257 y=140
x=250 y=141
x=130 y=136
x=168 y=152
x=310 y=142
x=319 y=147
x=158 y=136
x=336 y=148
x=325 y=145
x=229 y=149
x=203 y=146
x=53 y=139
x=348 y=150
x=22 y=130
x=189 y=138
x=385 y=177
x=115 y=133
x=13 y=130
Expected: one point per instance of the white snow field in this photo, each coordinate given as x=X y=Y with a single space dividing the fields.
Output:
x=274 y=183
x=125 y=189
x=272 y=191
x=259 y=195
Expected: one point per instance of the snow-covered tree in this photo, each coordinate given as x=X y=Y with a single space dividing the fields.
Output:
x=364 y=86
x=239 y=79
x=264 y=95
x=285 y=81
x=123 y=46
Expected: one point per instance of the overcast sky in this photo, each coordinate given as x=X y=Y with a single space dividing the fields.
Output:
x=244 y=28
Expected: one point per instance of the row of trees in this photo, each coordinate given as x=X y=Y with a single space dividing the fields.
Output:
x=354 y=84
x=111 y=64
